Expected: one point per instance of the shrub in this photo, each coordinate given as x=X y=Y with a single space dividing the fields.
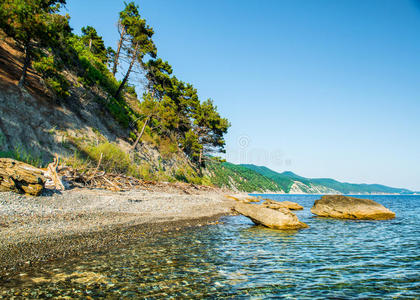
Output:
x=167 y=148
x=48 y=67
x=113 y=160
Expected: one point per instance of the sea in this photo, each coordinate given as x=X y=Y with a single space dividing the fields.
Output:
x=332 y=259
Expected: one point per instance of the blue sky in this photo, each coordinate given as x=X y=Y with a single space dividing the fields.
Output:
x=322 y=88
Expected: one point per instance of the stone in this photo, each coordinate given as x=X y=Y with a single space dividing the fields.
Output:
x=20 y=177
x=276 y=219
x=242 y=199
x=344 y=207
x=283 y=204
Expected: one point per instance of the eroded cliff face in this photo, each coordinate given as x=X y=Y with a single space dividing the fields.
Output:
x=40 y=127
x=34 y=122
x=301 y=188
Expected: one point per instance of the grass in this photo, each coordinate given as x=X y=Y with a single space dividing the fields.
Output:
x=21 y=154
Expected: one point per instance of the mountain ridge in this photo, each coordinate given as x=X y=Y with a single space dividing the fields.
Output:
x=292 y=182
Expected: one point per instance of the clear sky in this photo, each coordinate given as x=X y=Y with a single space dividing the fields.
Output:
x=323 y=88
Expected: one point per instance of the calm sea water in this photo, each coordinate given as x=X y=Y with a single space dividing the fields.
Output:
x=332 y=259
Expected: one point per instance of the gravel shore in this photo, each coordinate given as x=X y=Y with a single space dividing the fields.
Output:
x=36 y=229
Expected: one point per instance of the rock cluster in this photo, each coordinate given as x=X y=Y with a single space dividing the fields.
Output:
x=343 y=207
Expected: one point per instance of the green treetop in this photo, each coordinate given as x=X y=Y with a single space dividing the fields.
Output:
x=33 y=24
x=95 y=43
x=139 y=36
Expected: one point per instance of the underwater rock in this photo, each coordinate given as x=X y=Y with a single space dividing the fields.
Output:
x=343 y=207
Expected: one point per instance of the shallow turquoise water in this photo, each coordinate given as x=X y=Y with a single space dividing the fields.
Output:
x=332 y=259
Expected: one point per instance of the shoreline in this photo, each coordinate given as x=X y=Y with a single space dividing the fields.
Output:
x=80 y=221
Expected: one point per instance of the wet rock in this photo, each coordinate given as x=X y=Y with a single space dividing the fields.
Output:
x=284 y=204
x=343 y=207
x=277 y=219
x=20 y=177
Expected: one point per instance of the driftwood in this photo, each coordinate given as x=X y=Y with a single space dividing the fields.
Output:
x=54 y=180
x=99 y=179
x=20 y=177
x=23 y=178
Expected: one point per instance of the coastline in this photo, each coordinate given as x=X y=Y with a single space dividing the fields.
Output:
x=78 y=221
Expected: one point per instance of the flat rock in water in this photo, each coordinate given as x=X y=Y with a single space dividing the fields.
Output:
x=277 y=219
x=243 y=199
x=343 y=207
x=20 y=177
x=283 y=204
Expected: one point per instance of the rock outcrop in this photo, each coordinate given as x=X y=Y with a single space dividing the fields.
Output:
x=243 y=199
x=277 y=219
x=284 y=204
x=20 y=177
x=343 y=207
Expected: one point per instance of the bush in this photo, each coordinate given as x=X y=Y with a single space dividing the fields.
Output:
x=113 y=160
x=167 y=148
x=48 y=67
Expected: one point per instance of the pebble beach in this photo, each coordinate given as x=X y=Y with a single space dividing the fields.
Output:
x=37 y=229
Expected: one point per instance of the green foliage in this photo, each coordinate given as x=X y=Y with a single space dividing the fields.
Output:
x=175 y=117
x=27 y=19
x=130 y=89
x=48 y=67
x=285 y=182
x=95 y=43
x=22 y=154
x=120 y=110
x=235 y=176
x=210 y=127
x=191 y=145
x=113 y=160
x=167 y=148
x=92 y=69
x=34 y=24
x=286 y=179
x=138 y=42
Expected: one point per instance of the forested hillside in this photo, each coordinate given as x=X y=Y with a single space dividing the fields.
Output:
x=290 y=182
x=83 y=92
x=237 y=177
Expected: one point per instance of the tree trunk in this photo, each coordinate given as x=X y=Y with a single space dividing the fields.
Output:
x=117 y=54
x=133 y=60
x=141 y=133
x=90 y=44
x=200 y=157
x=26 y=62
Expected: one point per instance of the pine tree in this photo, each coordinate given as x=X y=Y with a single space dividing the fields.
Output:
x=95 y=43
x=209 y=128
x=32 y=24
x=127 y=18
x=140 y=43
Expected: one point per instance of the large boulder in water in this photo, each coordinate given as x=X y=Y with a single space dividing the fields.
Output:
x=277 y=219
x=283 y=204
x=343 y=207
